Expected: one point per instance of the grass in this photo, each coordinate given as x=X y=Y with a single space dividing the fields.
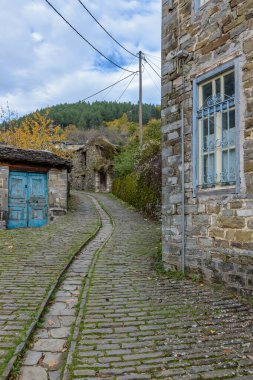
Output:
x=160 y=269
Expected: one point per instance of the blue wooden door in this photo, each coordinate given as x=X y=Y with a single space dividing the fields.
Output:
x=37 y=199
x=28 y=206
x=18 y=198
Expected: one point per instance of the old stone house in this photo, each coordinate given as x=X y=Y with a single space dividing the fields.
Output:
x=33 y=187
x=93 y=166
x=207 y=115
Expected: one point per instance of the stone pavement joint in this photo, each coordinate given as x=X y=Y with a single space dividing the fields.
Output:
x=137 y=325
x=47 y=353
x=31 y=261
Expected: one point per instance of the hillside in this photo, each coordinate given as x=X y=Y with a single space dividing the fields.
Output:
x=88 y=115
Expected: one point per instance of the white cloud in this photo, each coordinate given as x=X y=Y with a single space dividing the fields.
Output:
x=37 y=37
x=43 y=62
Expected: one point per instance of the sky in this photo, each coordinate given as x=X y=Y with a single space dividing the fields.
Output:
x=43 y=62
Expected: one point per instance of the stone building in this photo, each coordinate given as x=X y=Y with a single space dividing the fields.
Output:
x=33 y=187
x=207 y=116
x=93 y=166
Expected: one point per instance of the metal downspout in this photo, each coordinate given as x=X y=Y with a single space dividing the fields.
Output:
x=183 y=191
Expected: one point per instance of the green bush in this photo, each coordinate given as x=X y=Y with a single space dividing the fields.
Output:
x=133 y=190
x=125 y=161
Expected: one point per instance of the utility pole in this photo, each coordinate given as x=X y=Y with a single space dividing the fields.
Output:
x=140 y=97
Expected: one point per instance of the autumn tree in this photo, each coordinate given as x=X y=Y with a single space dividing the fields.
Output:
x=34 y=132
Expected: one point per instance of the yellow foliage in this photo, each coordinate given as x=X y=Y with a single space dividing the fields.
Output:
x=35 y=132
x=121 y=125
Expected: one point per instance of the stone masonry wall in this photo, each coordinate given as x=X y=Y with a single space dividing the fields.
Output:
x=219 y=225
x=57 y=192
x=87 y=163
x=4 y=175
x=83 y=176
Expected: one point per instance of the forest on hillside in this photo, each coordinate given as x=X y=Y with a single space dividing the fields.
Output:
x=90 y=115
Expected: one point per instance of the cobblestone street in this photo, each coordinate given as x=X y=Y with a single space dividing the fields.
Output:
x=30 y=262
x=137 y=326
x=130 y=323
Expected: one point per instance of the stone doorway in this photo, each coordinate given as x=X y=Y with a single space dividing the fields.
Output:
x=102 y=181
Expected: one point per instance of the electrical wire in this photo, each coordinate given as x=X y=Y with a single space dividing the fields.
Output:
x=109 y=34
x=159 y=89
x=126 y=87
x=145 y=59
x=154 y=57
x=112 y=85
x=158 y=67
x=80 y=35
x=108 y=92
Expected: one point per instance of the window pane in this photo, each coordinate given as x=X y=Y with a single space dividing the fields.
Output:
x=228 y=161
x=209 y=139
x=228 y=135
x=207 y=91
x=217 y=86
x=209 y=178
x=229 y=84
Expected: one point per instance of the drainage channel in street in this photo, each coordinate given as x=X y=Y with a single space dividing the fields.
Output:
x=46 y=356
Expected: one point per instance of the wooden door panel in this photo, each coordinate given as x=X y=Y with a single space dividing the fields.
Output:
x=28 y=200
x=17 y=200
x=37 y=199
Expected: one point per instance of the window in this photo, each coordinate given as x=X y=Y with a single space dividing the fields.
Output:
x=200 y=3
x=215 y=130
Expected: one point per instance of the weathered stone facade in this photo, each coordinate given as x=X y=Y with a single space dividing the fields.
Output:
x=12 y=159
x=218 y=220
x=93 y=166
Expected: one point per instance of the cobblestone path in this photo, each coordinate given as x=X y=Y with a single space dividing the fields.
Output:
x=139 y=326
x=30 y=262
x=45 y=357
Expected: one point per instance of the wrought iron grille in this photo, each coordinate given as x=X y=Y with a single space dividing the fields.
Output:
x=217 y=135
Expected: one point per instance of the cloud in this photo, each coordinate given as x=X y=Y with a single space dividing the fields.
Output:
x=43 y=62
x=37 y=37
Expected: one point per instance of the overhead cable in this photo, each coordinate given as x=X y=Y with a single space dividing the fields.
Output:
x=153 y=56
x=109 y=34
x=150 y=76
x=127 y=87
x=153 y=63
x=110 y=89
x=80 y=35
x=112 y=85
x=145 y=59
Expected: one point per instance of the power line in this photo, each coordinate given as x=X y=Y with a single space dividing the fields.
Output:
x=150 y=76
x=145 y=59
x=158 y=67
x=80 y=35
x=126 y=87
x=112 y=85
x=109 y=34
x=108 y=92
x=153 y=56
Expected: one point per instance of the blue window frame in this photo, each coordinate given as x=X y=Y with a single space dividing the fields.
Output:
x=216 y=133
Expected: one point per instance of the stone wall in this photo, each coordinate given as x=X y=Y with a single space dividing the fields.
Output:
x=4 y=175
x=83 y=174
x=88 y=163
x=219 y=235
x=57 y=192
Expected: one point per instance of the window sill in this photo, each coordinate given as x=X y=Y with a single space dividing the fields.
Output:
x=216 y=191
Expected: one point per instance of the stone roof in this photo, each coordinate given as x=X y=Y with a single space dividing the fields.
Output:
x=29 y=156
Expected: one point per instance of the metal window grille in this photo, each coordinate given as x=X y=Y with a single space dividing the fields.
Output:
x=217 y=141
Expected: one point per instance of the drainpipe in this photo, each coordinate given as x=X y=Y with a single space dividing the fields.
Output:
x=181 y=56
x=183 y=191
